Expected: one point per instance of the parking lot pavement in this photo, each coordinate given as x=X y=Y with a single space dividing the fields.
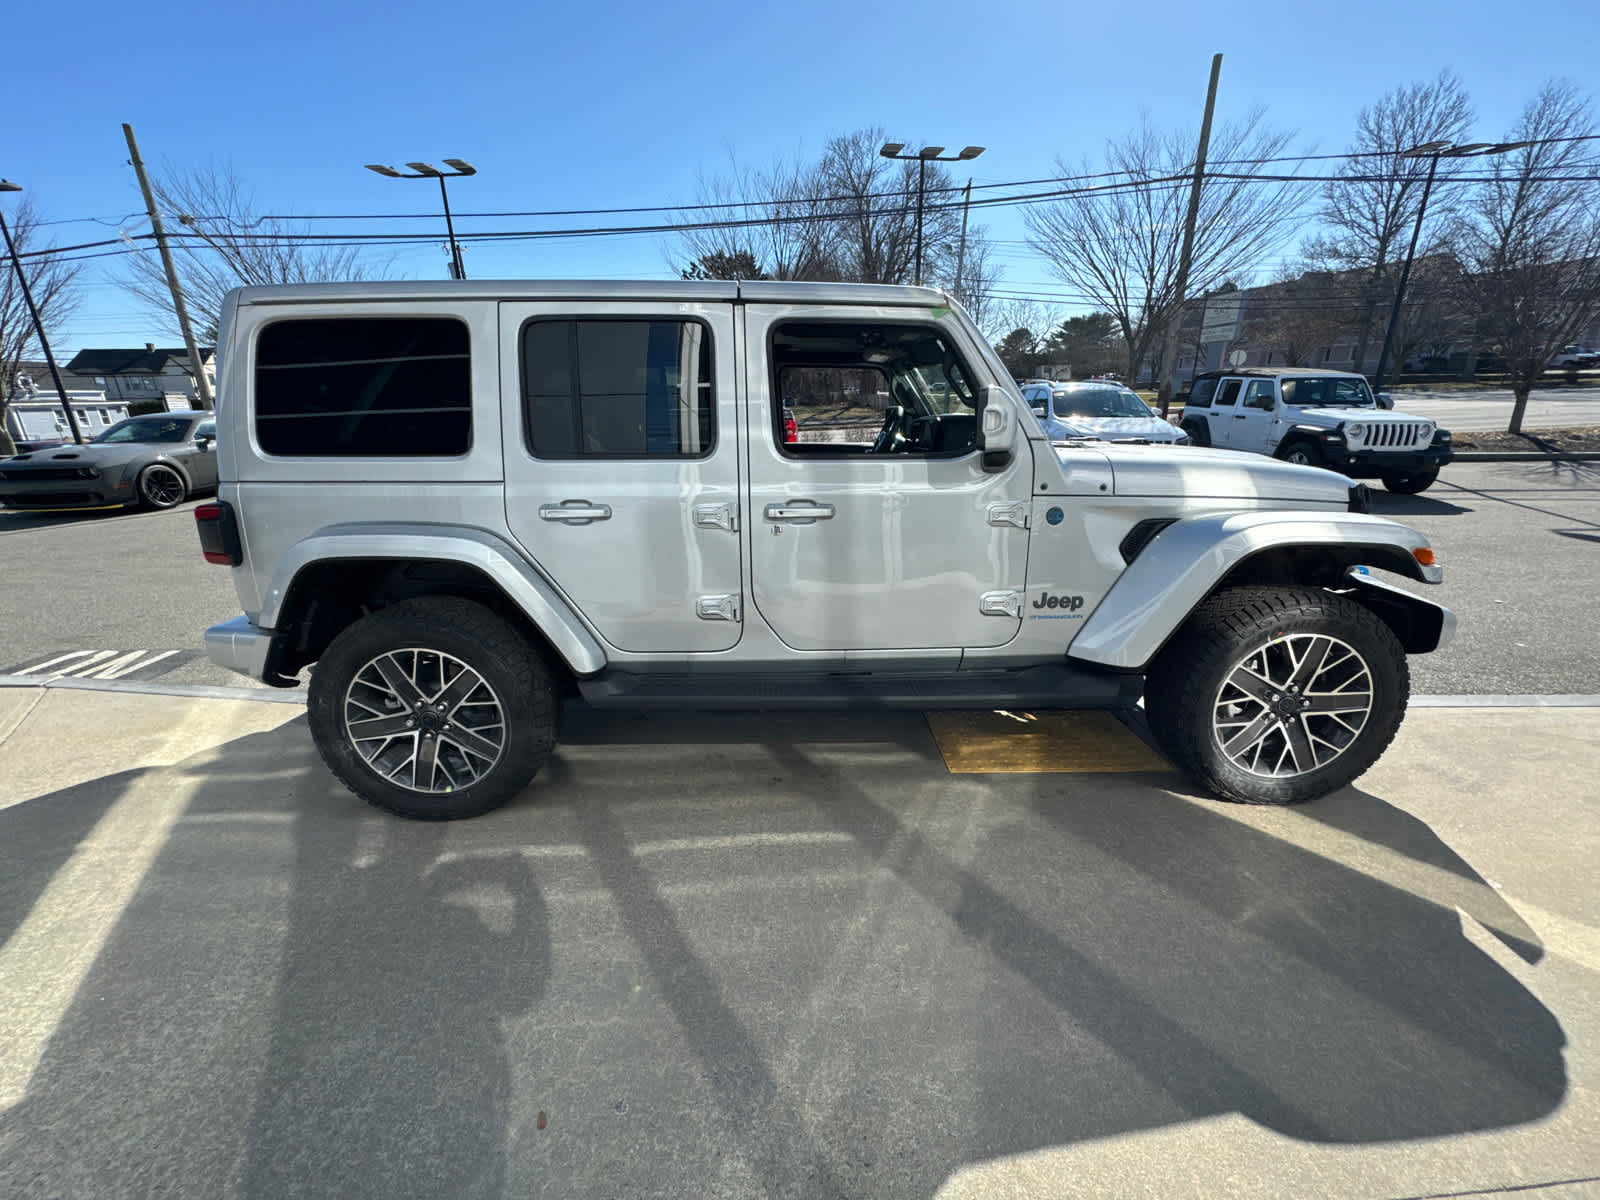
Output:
x=755 y=954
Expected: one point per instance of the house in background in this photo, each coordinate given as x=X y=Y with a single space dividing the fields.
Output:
x=153 y=374
x=33 y=409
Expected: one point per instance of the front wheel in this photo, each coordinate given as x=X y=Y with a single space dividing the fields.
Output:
x=160 y=486
x=1409 y=483
x=1278 y=695
x=1304 y=454
x=433 y=708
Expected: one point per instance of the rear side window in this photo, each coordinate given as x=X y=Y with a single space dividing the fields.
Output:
x=617 y=388
x=370 y=387
x=1230 y=392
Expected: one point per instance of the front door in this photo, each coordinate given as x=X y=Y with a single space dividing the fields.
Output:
x=622 y=465
x=873 y=525
x=1254 y=424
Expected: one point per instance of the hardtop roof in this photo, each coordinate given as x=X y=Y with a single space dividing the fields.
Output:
x=1275 y=372
x=683 y=290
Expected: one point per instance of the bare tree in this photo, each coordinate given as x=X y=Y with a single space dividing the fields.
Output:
x=777 y=217
x=1120 y=243
x=53 y=280
x=1530 y=240
x=1370 y=210
x=220 y=243
x=851 y=216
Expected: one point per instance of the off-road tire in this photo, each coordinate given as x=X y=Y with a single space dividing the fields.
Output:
x=516 y=671
x=1409 y=483
x=161 y=487
x=1183 y=686
x=1310 y=454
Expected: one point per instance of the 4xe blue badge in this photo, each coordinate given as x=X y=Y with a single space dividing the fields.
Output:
x=1054 y=516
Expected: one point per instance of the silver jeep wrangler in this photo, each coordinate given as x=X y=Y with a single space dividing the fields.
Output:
x=467 y=502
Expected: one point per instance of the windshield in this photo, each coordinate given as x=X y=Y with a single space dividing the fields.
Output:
x=1327 y=392
x=1098 y=402
x=147 y=429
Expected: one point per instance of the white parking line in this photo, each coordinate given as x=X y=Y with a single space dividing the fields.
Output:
x=52 y=662
x=83 y=666
x=112 y=671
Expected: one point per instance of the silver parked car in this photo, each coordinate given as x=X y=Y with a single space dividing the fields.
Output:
x=155 y=461
x=1096 y=408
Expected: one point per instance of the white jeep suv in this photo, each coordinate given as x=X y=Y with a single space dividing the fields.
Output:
x=1318 y=419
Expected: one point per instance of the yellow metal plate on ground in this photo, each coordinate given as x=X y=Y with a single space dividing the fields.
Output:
x=1027 y=743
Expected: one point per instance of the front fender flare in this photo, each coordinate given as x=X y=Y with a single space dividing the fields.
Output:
x=476 y=548
x=1183 y=564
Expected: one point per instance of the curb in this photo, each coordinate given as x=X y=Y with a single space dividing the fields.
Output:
x=1525 y=456
x=298 y=695
x=197 y=691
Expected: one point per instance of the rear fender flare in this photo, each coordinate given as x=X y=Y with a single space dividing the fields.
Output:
x=546 y=608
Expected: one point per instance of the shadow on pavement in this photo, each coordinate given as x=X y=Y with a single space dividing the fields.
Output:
x=1392 y=504
x=733 y=964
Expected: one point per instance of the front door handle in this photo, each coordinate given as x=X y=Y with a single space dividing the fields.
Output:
x=1241 y=416
x=575 y=512
x=799 y=511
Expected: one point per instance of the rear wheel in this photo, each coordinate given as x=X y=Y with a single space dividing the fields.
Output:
x=1409 y=483
x=1278 y=695
x=434 y=708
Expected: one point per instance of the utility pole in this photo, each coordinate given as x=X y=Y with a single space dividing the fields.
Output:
x=961 y=253
x=202 y=384
x=38 y=326
x=1169 y=357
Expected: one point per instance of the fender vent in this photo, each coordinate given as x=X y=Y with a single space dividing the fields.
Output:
x=1141 y=536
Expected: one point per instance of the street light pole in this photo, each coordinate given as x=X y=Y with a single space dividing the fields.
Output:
x=1433 y=151
x=923 y=157
x=458 y=268
x=38 y=326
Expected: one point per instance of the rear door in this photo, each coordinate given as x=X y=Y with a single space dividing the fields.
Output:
x=622 y=464
x=1223 y=414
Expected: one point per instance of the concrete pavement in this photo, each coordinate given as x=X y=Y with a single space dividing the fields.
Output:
x=756 y=954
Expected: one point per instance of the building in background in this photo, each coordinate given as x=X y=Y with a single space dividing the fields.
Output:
x=144 y=376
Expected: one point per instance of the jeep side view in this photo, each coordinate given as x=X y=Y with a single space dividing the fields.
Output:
x=1318 y=419
x=464 y=503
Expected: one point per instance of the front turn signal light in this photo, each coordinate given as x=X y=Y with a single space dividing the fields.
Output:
x=1424 y=555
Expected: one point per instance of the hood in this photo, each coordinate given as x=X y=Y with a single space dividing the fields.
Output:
x=1367 y=416
x=87 y=455
x=1189 y=472
x=1108 y=428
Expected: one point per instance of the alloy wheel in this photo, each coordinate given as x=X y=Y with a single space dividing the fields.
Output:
x=1292 y=706
x=424 y=720
x=162 y=486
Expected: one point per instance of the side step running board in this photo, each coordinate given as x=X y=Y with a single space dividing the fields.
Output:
x=1035 y=687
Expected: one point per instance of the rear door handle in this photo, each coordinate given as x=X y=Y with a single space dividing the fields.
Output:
x=799 y=511
x=575 y=512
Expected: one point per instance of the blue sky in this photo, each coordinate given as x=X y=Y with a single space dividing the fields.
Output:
x=599 y=105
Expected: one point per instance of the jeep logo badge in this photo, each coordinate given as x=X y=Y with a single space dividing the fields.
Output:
x=1070 y=603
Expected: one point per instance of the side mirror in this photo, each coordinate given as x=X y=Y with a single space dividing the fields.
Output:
x=1385 y=400
x=1265 y=403
x=997 y=429
x=203 y=441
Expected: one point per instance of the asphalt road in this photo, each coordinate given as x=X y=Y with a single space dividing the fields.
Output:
x=1549 y=408
x=1520 y=543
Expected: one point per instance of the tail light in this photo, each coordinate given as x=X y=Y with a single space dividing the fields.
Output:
x=219 y=533
x=791 y=429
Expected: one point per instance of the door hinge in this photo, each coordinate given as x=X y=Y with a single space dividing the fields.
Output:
x=717 y=516
x=1010 y=514
x=1001 y=604
x=718 y=608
